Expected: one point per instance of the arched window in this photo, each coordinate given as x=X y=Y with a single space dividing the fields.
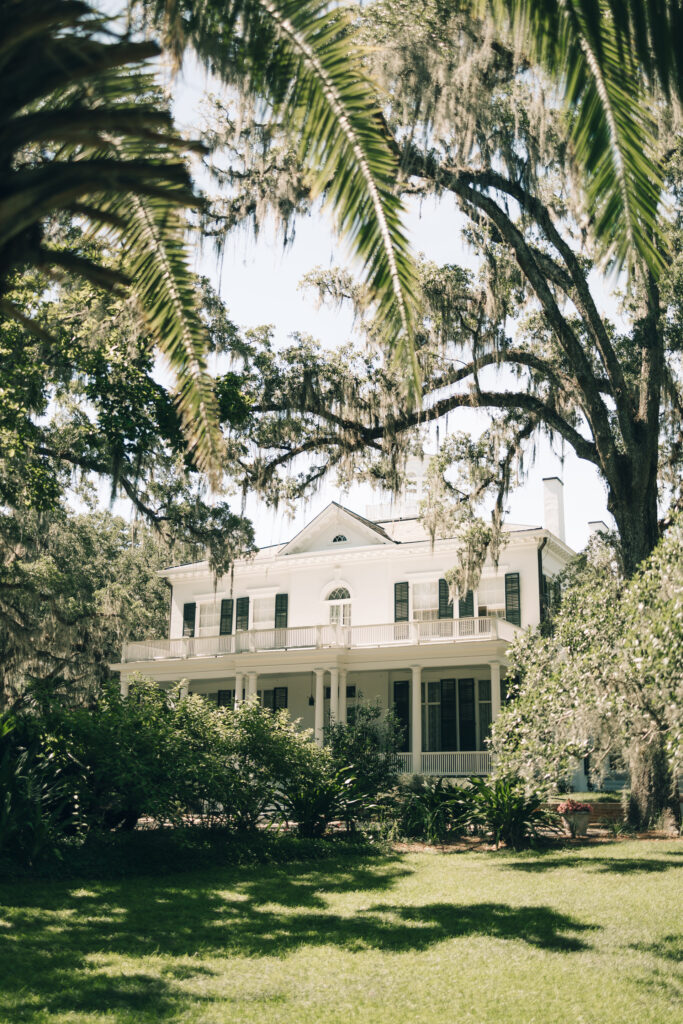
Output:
x=339 y=601
x=339 y=539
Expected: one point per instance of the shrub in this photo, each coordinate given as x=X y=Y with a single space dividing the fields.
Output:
x=432 y=808
x=365 y=747
x=315 y=791
x=35 y=805
x=503 y=807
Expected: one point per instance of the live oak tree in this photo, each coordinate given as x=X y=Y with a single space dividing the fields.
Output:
x=528 y=338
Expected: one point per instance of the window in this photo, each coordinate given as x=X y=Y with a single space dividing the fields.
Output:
x=339 y=539
x=209 y=617
x=491 y=595
x=339 y=601
x=426 y=601
x=263 y=612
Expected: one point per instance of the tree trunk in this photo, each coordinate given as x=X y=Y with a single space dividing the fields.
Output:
x=634 y=507
x=654 y=790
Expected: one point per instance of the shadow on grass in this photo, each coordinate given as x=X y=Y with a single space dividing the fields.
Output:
x=50 y=934
x=609 y=865
x=669 y=947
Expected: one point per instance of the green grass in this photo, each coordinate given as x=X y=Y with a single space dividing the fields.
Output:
x=589 y=935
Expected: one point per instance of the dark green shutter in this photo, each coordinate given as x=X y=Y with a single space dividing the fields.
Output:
x=445 y=604
x=402 y=712
x=189 y=615
x=281 y=603
x=466 y=605
x=449 y=717
x=401 y=602
x=467 y=715
x=242 y=616
x=513 y=608
x=226 y=616
x=542 y=589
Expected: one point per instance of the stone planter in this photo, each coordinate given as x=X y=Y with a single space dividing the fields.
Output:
x=577 y=822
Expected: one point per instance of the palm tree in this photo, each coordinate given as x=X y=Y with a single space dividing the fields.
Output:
x=84 y=138
x=609 y=58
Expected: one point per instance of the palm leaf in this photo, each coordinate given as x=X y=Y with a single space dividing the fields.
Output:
x=110 y=158
x=612 y=133
x=298 y=57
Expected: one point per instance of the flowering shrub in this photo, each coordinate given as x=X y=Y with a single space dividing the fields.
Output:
x=572 y=807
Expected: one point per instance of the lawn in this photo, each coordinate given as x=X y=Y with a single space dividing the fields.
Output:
x=589 y=935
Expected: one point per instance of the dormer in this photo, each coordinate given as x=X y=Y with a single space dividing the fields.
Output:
x=336 y=529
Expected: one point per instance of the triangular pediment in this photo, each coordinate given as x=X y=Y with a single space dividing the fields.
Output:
x=325 y=533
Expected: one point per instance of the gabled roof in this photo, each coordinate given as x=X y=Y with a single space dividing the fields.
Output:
x=336 y=515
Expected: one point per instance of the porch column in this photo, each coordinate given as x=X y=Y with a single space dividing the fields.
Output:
x=342 y=695
x=319 y=705
x=239 y=688
x=251 y=686
x=184 y=689
x=416 y=717
x=495 y=689
x=334 y=695
x=125 y=686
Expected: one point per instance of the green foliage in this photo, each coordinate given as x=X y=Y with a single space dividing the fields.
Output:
x=35 y=798
x=88 y=138
x=81 y=586
x=365 y=747
x=587 y=47
x=315 y=791
x=504 y=808
x=432 y=808
x=606 y=682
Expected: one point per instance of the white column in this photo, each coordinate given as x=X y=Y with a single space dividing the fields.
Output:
x=184 y=688
x=334 y=695
x=319 y=706
x=251 y=686
x=239 y=688
x=125 y=686
x=342 y=695
x=416 y=717
x=495 y=689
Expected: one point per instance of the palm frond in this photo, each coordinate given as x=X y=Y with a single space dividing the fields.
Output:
x=298 y=57
x=84 y=134
x=612 y=133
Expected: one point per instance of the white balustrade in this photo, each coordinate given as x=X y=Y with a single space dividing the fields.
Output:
x=456 y=762
x=389 y=634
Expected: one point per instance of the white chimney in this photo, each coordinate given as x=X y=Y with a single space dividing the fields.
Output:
x=597 y=526
x=553 y=505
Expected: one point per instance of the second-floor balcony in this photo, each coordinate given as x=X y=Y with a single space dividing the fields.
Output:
x=297 y=638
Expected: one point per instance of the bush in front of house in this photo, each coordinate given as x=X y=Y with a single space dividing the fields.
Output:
x=431 y=808
x=366 y=747
x=502 y=807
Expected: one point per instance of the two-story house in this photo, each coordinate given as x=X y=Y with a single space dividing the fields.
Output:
x=358 y=608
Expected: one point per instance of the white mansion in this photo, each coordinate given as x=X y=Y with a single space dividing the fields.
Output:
x=355 y=608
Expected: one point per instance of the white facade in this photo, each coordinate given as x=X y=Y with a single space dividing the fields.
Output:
x=322 y=622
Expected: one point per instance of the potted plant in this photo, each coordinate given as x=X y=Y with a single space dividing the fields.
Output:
x=576 y=816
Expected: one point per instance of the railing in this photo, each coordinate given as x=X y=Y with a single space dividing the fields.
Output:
x=448 y=762
x=389 y=634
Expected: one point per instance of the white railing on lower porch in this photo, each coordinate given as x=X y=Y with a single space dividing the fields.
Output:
x=449 y=762
x=389 y=634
